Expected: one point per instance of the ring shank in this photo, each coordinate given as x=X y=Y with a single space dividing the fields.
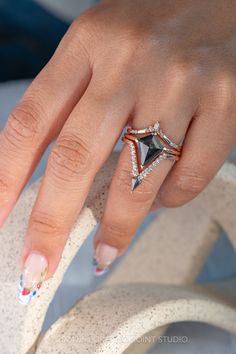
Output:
x=146 y=153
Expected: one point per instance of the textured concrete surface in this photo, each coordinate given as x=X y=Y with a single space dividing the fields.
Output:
x=176 y=250
x=125 y=312
x=8 y=95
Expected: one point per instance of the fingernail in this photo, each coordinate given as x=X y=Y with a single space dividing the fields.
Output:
x=32 y=277
x=104 y=257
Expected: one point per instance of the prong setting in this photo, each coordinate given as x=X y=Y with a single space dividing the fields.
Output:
x=156 y=150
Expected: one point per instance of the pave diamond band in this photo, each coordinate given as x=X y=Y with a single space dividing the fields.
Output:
x=148 y=147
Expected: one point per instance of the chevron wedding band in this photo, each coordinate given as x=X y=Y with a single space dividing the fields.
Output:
x=148 y=147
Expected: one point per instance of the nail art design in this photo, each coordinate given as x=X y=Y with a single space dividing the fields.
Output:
x=103 y=258
x=32 y=277
x=98 y=269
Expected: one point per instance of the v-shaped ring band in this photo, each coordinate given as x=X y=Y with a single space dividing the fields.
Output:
x=148 y=147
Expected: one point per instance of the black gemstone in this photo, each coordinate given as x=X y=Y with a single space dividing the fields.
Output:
x=150 y=147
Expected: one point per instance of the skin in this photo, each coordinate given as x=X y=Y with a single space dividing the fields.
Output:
x=123 y=61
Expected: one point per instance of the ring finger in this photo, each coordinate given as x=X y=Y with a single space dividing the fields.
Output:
x=125 y=210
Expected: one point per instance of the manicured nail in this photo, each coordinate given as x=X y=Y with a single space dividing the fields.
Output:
x=32 y=277
x=104 y=257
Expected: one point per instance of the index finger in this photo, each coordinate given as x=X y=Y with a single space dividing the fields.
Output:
x=82 y=147
x=39 y=117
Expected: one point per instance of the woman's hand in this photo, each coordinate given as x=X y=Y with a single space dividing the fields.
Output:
x=122 y=61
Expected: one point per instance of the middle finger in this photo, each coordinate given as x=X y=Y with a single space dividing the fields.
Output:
x=83 y=145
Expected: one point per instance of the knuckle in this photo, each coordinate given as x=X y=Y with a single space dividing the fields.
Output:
x=116 y=234
x=45 y=224
x=142 y=195
x=93 y=16
x=186 y=69
x=24 y=124
x=144 y=42
x=224 y=89
x=189 y=182
x=70 y=156
x=82 y=24
x=85 y=25
x=6 y=185
x=190 y=64
x=79 y=35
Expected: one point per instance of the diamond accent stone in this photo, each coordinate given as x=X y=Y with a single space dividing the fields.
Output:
x=133 y=160
x=150 y=149
x=147 y=170
x=156 y=126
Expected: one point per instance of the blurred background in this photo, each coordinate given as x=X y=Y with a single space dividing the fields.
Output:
x=29 y=33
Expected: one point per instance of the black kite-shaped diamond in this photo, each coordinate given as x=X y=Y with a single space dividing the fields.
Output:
x=150 y=147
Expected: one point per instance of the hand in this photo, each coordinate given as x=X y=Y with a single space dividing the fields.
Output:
x=122 y=61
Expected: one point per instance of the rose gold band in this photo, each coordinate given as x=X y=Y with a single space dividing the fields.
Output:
x=148 y=147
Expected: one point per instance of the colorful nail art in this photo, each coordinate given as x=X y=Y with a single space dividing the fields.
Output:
x=103 y=258
x=32 y=277
x=98 y=269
